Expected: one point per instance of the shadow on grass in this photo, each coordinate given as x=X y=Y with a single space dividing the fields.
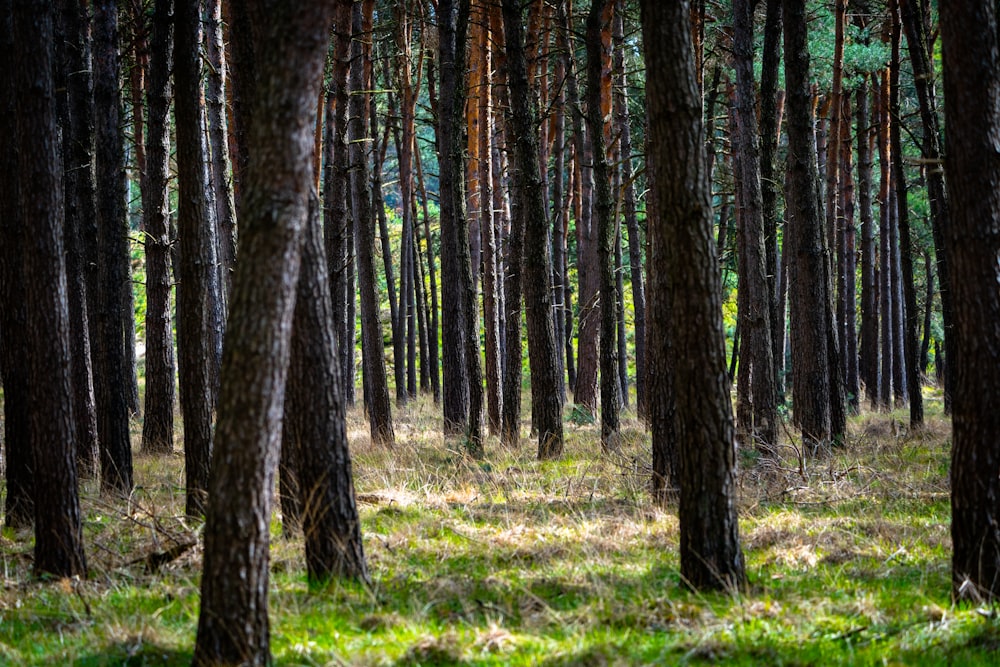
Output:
x=136 y=653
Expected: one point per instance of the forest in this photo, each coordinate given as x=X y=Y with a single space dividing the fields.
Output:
x=499 y=332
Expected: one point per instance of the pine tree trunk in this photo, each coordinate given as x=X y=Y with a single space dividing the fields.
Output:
x=868 y=346
x=233 y=626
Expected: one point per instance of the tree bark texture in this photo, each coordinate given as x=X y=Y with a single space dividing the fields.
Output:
x=198 y=276
x=868 y=344
x=111 y=374
x=972 y=242
x=233 y=625
x=543 y=349
x=709 y=545
x=58 y=532
x=158 y=420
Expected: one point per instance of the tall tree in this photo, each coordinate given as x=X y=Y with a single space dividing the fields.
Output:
x=14 y=367
x=198 y=303
x=710 y=547
x=76 y=109
x=810 y=303
x=111 y=374
x=972 y=241
x=911 y=315
x=868 y=344
x=599 y=88
x=158 y=421
x=58 y=531
x=756 y=401
x=233 y=625
x=543 y=349
x=380 y=407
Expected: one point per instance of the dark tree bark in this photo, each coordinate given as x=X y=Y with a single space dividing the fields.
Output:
x=881 y=113
x=233 y=625
x=463 y=391
x=911 y=314
x=314 y=423
x=900 y=391
x=58 y=532
x=158 y=421
x=846 y=252
x=76 y=110
x=606 y=227
x=756 y=398
x=111 y=372
x=972 y=241
x=198 y=301
x=770 y=124
x=337 y=223
x=709 y=545
x=380 y=406
x=14 y=365
x=809 y=293
x=915 y=23
x=868 y=345
x=215 y=106
x=635 y=246
x=543 y=349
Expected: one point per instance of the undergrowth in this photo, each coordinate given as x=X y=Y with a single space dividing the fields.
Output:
x=509 y=561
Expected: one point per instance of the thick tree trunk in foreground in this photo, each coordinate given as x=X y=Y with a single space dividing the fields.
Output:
x=233 y=625
x=710 y=547
x=58 y=532
x=972 y=240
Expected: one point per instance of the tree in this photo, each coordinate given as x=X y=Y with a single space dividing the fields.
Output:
x=158 y=420
x=599 y=99
x=756 y=401
x=543 y=350
x=810 y=302
x=379 y=406
x=198 y=300
x=233 y=624
x=710 y=548
x=110 y=264
x=58 y=531
x=972 y=241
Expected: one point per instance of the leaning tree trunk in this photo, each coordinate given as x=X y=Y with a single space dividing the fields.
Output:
x=58 y=532
x=709 y=544
x=972 y=241
x=233 y=625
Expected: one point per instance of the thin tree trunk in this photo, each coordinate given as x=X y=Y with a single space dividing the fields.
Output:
x=885 y=238
x=848 y=258
x=868 y=346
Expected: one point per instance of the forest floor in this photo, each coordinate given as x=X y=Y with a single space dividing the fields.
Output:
x=508 y=561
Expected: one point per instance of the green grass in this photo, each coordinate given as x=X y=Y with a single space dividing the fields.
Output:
x=508 y=561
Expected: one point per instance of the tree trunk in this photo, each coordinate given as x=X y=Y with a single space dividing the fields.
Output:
x=972 y=241
x=15 y=368
x=543 y=349
x=848 y=302
x=710 y=552
x=76 y=108
x=379 y=407
x=198 y=278
x=868 y=355
x=881 y=112
x=111 y=373
x=233 y=625
x=911 y=314
x=158 y=421
x=756 y=394
x=58 y=532
x=598 y=83
x=314 y=417
x=923 y=81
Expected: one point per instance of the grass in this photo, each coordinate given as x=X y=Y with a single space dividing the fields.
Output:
x=508 y=561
